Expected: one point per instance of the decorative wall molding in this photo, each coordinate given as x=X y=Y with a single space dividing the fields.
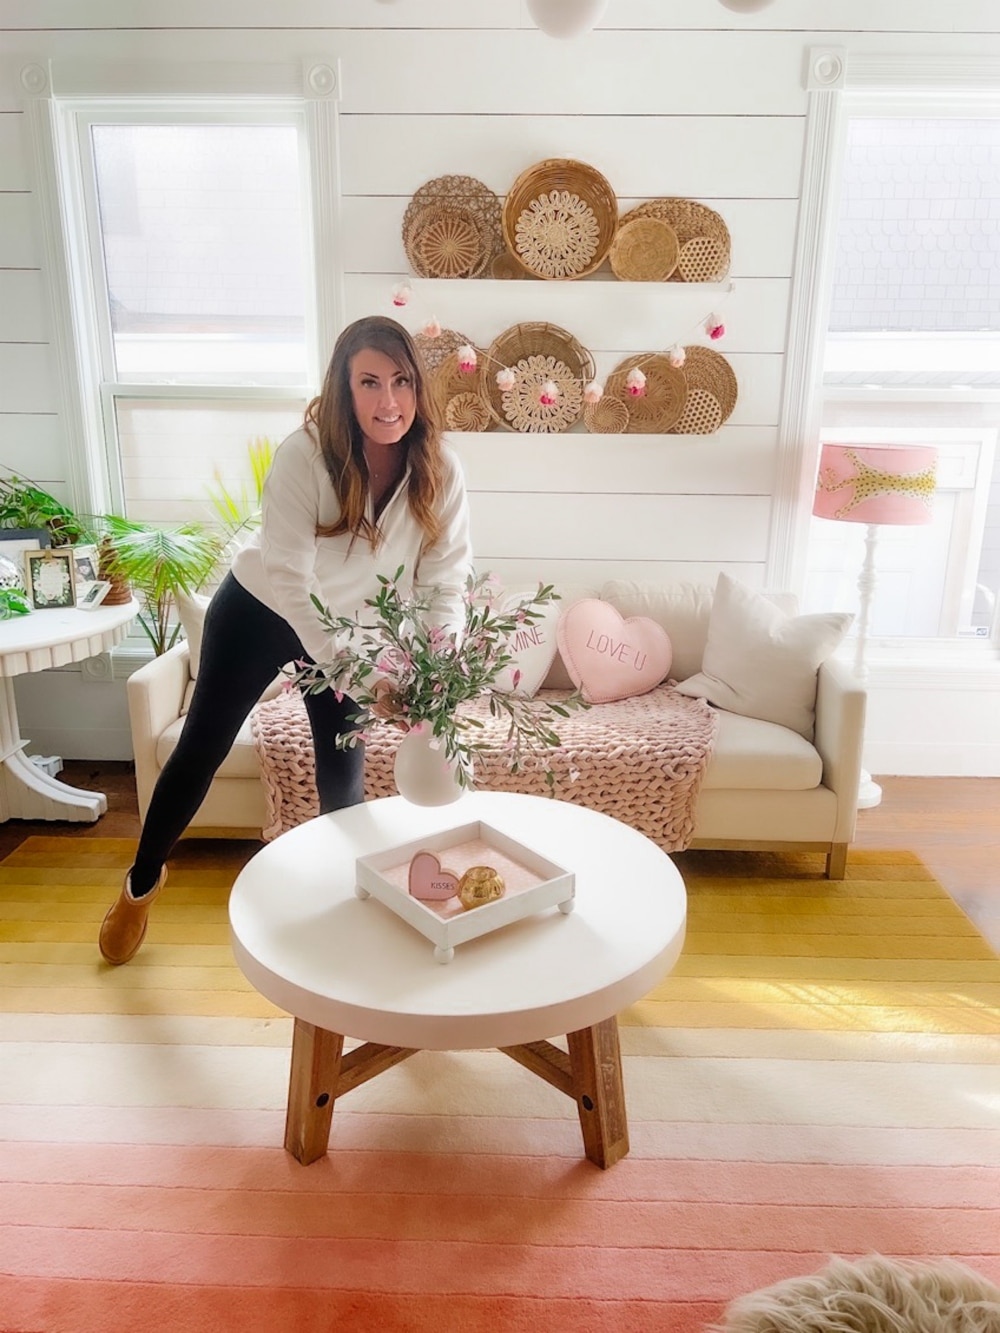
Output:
x=827 y=68
x=72 y=333
x=808 y=317
x=889 y=72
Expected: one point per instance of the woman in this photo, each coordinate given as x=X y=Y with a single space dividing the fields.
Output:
x=364 y=486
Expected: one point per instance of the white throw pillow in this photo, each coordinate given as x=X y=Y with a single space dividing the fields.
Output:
x=191 y=608
x=762 y=663
x=533 y=648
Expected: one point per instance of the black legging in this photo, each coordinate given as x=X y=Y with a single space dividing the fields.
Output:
x=244 y=646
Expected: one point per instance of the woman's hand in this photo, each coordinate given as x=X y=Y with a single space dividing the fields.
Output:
x=387 y=705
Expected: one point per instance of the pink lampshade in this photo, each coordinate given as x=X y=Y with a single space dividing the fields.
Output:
x=876 y=483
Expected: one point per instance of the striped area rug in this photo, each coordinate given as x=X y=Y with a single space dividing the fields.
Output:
x=820 y=1075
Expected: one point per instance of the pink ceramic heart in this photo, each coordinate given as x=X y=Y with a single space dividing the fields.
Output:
x=428 y=881
x=608 y=657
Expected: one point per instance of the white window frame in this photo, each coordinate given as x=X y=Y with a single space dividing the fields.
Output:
x=78 y=120
x=59 y=94
x=842 y=86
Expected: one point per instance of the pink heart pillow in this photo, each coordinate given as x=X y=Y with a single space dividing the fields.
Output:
x=608 y=657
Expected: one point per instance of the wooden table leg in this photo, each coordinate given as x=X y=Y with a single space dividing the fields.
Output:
x=596 y=1066
x=312 y=1090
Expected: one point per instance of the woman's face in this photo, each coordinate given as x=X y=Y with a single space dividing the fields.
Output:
x=384 y=397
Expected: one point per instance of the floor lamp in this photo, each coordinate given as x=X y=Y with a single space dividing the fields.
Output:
x=874 y=484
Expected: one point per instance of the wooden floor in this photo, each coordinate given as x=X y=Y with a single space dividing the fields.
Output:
x=952 y=824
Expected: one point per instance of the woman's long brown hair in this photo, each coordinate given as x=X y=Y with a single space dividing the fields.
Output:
x=330 y=418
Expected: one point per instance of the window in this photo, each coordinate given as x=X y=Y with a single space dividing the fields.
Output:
x=195 y=240
x=913 y=356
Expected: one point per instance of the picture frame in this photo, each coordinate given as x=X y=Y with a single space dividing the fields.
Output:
x=14 y=542
x=87 y=564
x=50 y=576
x=92 y=594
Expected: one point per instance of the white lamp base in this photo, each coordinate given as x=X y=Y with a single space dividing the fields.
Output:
x=869 y=792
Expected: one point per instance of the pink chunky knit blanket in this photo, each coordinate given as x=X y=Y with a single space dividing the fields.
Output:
x=640 y=760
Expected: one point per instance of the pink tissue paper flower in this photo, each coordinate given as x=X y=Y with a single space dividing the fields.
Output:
x=549 y=393
x=593 y=392
x=714 y=327
x=635 y=383
x=432 y=329
x=467 y=359
x=677 y=356
x=506 y=379
x=401 y=294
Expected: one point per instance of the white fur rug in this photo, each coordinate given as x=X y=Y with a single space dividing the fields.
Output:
x=872 y=1295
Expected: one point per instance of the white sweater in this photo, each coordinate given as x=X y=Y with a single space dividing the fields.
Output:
x=284 y=562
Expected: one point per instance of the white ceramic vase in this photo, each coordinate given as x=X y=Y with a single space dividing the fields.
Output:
x=424 y=775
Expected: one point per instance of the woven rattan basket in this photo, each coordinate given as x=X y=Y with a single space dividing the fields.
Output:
x=447 y=242
x=467 y=411
x=560 y=218
x=537 y=352
x=663 y=402
x=702 y=414
x=707 y=370
x=701 y=233
x=644 y=250
x=459 y=194
x=434 y=350
x=448 y=381
x=609 y=416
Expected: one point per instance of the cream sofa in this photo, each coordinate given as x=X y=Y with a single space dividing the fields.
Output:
x=767 y=786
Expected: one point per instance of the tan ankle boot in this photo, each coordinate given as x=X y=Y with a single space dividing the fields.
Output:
x=124 y=928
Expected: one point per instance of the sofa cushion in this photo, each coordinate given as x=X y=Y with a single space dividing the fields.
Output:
x=761 y=662
x=240 y=762
x=682 y=609
x=751 y=754
x=191 y=608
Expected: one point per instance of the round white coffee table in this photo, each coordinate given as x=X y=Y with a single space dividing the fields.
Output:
x=343 y=965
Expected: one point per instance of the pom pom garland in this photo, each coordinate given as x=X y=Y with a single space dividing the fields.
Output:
x=593 y=393
x=714 y=326
x=401 y=294
x=432 y=329
x=506 y=379
x=677 y=356
x=549 y=393
x=467 y=359
x=635 y=383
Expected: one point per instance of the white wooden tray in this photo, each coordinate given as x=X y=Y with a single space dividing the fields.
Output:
x=533 y=884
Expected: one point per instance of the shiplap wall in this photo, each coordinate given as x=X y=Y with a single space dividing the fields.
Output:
x=677 y=97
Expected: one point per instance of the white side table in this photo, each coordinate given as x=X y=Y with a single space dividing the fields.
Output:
x=36 y=642
x=341 y=965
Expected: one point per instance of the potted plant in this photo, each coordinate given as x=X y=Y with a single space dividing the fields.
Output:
x=25 y=505
x=158 y=563
x=403 y=670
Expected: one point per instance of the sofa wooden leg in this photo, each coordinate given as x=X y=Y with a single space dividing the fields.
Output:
x=836 y=861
